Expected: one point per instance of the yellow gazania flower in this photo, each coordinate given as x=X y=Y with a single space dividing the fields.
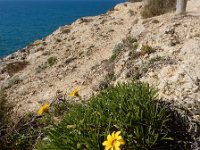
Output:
x=114 y=141
x=74 y=92
x=44 y=108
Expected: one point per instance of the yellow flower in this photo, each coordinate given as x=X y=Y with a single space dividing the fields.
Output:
x=44 y=108
x=74 y=92
x=114 y=141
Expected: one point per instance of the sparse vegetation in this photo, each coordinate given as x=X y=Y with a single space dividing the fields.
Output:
x=41 y=67
x=15 y=67
x=65 y=30
x=50 y=62
x=131 y=12
x=110 y=77
x=128 y=113
x=89 y=50
x=4 y=117
x=24 y=134
x=4 y=107
x=158 y=7
x=133 y=53
x=58 y=40
x=155 y=59
x=146 y=49
x=13 y=81
x=116 y=51
x=129 y=43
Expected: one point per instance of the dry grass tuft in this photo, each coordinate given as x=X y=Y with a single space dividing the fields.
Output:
x=14 y=67
x=158 y=7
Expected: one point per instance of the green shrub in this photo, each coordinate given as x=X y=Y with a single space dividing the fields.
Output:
x=127 y=107
x=65 y=30
x=146 y=49
x=158 y=7
x=130 y=43
x=116 y=51
x=41 y=67
x=59 y=109
x=50 y=62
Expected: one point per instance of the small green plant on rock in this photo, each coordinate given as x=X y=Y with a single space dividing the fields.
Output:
x=129 y=42
x=146 y=49
x=155 y=59
x=116 y=51
x=50 y=62
x=65 y=30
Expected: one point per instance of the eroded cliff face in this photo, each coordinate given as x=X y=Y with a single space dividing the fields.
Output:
x=117 y=46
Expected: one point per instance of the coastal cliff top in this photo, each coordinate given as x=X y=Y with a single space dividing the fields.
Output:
x=113 y=47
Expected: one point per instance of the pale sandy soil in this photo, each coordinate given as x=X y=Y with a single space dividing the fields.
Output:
x=83 y=47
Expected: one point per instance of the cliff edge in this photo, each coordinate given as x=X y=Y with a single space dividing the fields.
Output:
x=117 y=46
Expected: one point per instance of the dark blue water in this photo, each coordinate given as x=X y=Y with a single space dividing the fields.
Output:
x=24 y=22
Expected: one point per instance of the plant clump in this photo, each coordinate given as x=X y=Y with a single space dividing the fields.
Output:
x=158 y=7
x=146 y=49
x=116 y=51
x=129 y=108
x=50 y=62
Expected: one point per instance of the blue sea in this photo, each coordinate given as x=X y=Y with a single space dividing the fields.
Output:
x=22 y=22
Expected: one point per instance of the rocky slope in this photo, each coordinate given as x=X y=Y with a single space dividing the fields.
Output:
x=117 y=46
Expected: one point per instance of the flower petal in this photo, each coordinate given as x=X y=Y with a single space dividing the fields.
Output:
x=109 y=137
x=40 y=111
x=117 y=144
x=107 y=148
x=105 y=143
x=119 y=138
x=117 y=148
x=122 y=142
x=113 y=134
x=117 y=134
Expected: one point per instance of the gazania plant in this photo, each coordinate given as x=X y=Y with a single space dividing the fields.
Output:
x=123 y=117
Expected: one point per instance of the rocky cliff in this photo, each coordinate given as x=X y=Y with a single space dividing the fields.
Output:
x=117 y=46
